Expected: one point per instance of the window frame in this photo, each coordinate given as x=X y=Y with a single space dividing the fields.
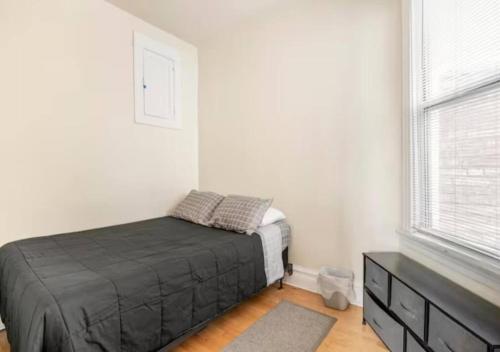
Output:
x=475 y=264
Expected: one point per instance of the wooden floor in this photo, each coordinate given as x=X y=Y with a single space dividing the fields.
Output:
x=347 y=335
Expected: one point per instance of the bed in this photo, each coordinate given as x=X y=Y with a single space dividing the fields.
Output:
x=134 y=287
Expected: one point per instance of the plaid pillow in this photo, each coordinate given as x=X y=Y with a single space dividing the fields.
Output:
x=197 y=207
x=240 y=214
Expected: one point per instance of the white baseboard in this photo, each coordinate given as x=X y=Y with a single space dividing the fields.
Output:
x=303 y=278
x=307 y=279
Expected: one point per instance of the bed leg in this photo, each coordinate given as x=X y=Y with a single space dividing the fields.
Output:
x=281 y=285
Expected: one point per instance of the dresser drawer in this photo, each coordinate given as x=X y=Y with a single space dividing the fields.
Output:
x=412 y=345
x=387 y=328
x=446 y=336
x=409 y=306
x=377 y=280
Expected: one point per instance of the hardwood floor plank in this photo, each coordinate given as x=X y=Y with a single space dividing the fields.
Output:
x=347 y=335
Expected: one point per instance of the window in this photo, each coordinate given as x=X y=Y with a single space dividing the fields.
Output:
x=455 y=127
x=157 y=83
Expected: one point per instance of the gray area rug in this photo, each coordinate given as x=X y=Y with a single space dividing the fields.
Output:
x=287 y=327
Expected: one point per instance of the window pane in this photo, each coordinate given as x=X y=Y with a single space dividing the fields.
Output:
x=461 y=45
x=463 y=170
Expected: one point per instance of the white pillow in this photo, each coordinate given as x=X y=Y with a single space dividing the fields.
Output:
x=271 y=216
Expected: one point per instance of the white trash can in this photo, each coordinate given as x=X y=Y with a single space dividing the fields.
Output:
x=336 y=287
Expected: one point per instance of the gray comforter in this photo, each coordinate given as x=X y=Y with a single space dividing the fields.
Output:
x=132 y=287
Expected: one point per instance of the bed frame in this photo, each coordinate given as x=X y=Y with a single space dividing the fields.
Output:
x=194 y=330
x=286 y=265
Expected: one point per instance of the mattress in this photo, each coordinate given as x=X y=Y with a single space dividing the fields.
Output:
x=133 y=287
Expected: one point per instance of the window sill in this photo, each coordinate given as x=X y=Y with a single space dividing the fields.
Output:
x=478 y=267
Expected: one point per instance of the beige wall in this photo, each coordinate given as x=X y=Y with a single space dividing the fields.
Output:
x=71 y=156
x=304 y=105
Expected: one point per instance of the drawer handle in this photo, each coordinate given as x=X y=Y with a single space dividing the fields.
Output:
x=445 y=344
x=375 y=282
x=376 y=323
x=408 y=311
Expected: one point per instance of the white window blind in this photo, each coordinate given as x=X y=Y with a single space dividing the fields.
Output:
x=456 y=122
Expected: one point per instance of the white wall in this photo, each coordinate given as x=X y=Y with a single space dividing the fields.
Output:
x=71 y=156
x=303 y=104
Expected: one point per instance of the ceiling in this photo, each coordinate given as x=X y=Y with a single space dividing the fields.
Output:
x=195 y=20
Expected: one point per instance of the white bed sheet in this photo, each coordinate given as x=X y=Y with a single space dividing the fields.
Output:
x=275 y=238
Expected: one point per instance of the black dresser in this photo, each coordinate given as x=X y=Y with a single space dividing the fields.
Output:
x=413 y=309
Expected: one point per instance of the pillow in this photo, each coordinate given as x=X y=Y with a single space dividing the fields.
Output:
x=271 y=216
x=240 y=214
x=197 y=207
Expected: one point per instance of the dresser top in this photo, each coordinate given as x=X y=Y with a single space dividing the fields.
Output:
x=472 y=311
